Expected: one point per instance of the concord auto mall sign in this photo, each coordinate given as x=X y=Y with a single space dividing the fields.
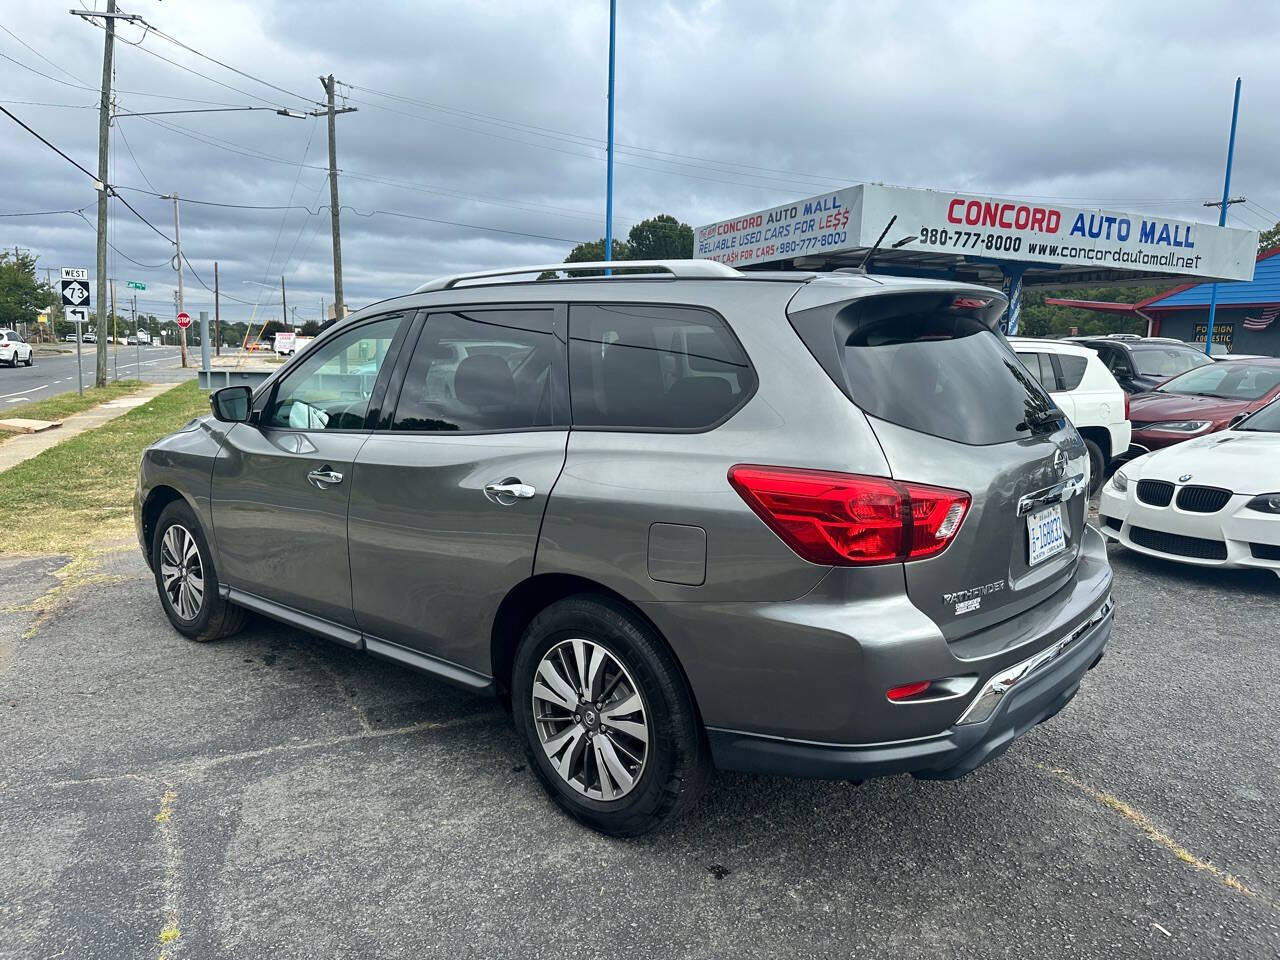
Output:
x=979 y=227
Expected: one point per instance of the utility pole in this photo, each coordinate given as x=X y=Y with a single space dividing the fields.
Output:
x=331 y=112
x=104 y=128
x=284 y=305
x=177 y=242
x=217 y=328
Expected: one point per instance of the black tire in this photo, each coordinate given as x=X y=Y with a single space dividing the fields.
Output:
x=215 y=618
x=1097 y=467
x=31 y=359
x=677 y=762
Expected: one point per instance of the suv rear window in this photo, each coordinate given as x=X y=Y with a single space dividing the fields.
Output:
x=651 y=367
x=916 y=361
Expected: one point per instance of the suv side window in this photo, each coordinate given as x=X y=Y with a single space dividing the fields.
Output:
x=1072 y=368
x=651 y=367
x=1041 y=365
x=485 y=369
x=329 y=389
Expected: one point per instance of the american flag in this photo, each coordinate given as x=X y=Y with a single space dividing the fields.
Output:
x=1264 y=321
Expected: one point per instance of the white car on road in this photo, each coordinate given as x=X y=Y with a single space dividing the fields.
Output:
x=1084 y=389
x=14 y=350
x=1213 y=501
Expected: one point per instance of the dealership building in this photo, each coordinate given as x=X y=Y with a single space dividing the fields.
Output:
x=1003 y=242
x=1244 y=321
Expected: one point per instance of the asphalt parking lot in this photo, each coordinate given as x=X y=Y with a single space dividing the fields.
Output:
x=276 y=796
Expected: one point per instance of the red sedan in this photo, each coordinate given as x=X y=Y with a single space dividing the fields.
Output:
x=1203 y=400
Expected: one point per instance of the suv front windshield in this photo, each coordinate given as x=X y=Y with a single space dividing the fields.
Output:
x=1237 y=380
x=1152 y=361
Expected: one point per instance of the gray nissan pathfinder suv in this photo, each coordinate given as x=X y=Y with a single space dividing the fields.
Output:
x=793 y=523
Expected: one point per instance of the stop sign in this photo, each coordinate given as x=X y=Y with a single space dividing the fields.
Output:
x=184 y=320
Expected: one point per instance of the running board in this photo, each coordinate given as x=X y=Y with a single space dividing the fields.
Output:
x=356 y=640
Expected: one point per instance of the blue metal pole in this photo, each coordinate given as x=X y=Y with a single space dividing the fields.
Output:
x=1013 y=289
x=1222 y=216
x=608 y=202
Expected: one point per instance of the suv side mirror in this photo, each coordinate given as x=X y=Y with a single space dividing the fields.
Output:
x=1236 y=419
x=231 y=404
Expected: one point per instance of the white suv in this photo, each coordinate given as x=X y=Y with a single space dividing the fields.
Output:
x=14 y=350
x=1084 y=389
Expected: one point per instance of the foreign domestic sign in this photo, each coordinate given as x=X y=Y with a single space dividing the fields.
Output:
x=184 y=320
x=42 y=318
x=1222 y=333
x=75 y=287
x=971 y=227
x=77 y=315
x=135 y=285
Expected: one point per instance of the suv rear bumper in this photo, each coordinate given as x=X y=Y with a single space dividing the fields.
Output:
x=1037 y=696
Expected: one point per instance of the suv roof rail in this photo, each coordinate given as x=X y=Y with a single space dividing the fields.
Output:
x=676 y=269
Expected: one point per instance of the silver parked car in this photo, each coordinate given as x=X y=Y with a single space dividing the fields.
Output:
x=812 y=524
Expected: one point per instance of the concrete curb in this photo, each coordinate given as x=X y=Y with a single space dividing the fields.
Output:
x=27 y=445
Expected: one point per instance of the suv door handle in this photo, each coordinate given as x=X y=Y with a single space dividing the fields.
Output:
x=324 y=478
x=510 y=488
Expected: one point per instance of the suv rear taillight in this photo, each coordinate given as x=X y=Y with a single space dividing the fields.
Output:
x=842 y=519
x=1126 y=404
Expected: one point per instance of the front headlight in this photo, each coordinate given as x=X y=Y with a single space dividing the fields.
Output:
x=1181 y=426
x=1267 y=503
x=1119 y=482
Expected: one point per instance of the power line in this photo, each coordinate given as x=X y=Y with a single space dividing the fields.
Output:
x=42 y=103
x=10 y=115
x=455 y=223
x=134 y=158
x=203 y=76
x=132 y=93
x=43 y=213
x=245 y=151
x=55 y=65
x=372 y=213
x=227 y=66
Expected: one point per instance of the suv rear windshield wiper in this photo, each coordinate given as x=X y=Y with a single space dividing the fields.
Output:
x=1039 y=418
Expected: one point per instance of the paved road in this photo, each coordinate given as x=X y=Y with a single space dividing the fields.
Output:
x=52 y=375
x=272 y=795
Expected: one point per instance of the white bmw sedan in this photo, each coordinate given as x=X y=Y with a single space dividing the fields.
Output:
x=1213 y=501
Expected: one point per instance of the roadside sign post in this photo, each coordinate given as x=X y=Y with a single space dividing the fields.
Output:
x=204 y=340
x=79 y=316
x=115 y=333
x=75 y=301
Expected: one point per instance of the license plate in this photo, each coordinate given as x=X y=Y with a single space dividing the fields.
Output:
x=1046 y=535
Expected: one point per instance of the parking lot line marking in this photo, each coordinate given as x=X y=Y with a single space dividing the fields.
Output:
x=1140 y=820
x=202 y=764
x=164 y=819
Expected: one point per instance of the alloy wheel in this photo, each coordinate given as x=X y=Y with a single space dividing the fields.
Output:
x=181 y=573
x=591 y=719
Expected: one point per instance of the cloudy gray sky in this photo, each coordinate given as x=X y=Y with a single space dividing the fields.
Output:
x=492 y=115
